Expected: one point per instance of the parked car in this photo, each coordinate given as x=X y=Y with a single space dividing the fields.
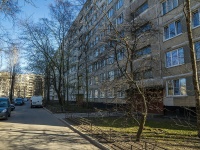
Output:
x=25 y=99
x=19 y=101
x=5 y=108
x=36 y=101
x=12 y=107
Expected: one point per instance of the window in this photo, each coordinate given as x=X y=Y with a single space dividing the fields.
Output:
x=110 y=12
x=90 y=81
x=147 y=74
x=96 y=53
x=103 y=63
x=96 y=93
x=142 y=29
x=141 y=9
x=196 y=18
x=172 y=30
x=110 y=93
x=102 y=49
x=197 y=49
x=120 y=55
x=176 y=87
x=96 y=79
x=103 y=77
x=175 y=57
x=90 y=94
x=119 y=4
x=121 y=93
x=109 y=1
x=144 y=51
x=102 y=94
x=111 y=59
x=90 y=69
x=119 y=19
x=111 y=75
x=168 y=5
x=118 y=73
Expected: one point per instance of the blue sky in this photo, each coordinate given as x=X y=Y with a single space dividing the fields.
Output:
x=39 y=10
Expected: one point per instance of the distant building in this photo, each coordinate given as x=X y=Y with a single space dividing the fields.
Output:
x=26 y=85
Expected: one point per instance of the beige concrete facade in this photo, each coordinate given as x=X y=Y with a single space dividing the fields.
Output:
x=166 y=57
x=26 y=85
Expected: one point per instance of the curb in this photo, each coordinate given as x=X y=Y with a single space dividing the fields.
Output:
x=87 y=137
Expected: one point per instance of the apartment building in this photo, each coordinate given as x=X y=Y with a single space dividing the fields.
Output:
x=26 y=85
x=154 y=32
x=4 y=82
x=177 y=69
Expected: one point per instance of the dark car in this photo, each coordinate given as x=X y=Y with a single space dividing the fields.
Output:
x=19 y=101
x=5 y=109
x=12 y=107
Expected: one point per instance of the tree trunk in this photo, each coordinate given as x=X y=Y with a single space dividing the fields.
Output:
x=142 y=119
x=188 y=16
x=12 y=87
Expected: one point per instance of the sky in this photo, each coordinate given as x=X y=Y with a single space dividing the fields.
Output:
x=40 y=9
x=35 y=12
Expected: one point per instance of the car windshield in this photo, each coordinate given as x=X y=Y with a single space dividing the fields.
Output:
x=18 y=100
x=3 y=104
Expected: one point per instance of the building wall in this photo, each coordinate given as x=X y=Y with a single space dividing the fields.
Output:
x=26 y=85
x=176 y=79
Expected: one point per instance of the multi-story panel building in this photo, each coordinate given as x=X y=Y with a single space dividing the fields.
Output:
x=25 y=85
x=154 y=32
x=177 y=69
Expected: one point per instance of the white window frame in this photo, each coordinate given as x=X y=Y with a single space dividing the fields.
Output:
x=172 y=82
x=110 y=12
x=171 y=3
x=111 y=59
x=197 y=50
x=198 y=12
x=120 y=19
x=96 y=94
x=168 y=27
x=111 y=75
x=179 y=59
x=119 y=4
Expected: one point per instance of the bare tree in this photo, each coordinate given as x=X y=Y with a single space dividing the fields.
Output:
x=195 y=77
x=13 y=66
x=50 y=40
x=124 y=39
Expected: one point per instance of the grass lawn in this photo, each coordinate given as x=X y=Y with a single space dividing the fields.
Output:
x=165 y=132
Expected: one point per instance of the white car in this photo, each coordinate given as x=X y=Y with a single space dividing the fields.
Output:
x=36 y=101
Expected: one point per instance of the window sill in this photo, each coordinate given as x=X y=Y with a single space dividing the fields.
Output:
x=175 y=66
x=164 y=40
x=171 y=96
x=196 y=26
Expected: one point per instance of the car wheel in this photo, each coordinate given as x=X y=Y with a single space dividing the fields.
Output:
x=6 y=118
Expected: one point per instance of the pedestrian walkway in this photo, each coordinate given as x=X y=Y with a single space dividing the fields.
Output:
x=62 y=116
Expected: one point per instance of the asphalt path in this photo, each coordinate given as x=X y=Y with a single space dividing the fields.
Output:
x=37 y=129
